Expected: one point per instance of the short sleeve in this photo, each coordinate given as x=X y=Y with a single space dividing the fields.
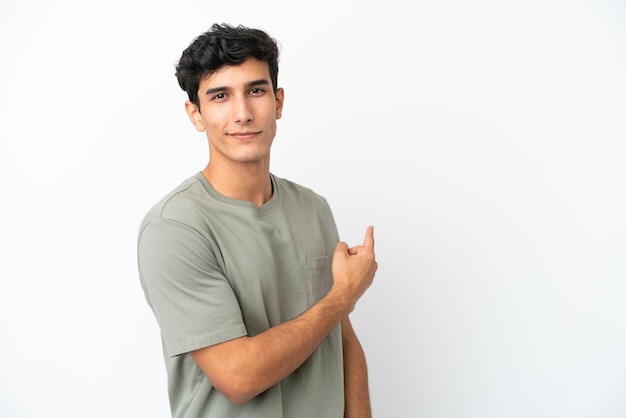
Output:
x=191 y=298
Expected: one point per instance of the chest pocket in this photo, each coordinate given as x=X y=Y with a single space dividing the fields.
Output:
x=319 y=278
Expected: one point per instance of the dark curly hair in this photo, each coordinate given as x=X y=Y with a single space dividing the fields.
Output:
x=224 y=45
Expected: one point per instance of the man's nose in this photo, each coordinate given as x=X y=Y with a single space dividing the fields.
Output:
x=243 y=111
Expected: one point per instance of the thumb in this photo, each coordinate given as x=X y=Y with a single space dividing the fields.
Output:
x=368 y=241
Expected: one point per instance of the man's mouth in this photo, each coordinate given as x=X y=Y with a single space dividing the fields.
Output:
x=242 y=136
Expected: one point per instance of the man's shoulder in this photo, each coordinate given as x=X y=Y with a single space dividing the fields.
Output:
x=293 y=189
x=178 y=201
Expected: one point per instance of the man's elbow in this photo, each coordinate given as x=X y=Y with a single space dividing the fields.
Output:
x=237 y=390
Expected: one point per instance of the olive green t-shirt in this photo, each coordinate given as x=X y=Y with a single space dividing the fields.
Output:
x=215 y=268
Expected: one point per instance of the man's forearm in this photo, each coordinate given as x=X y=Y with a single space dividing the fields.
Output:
x=355 y=375
x=244 y=367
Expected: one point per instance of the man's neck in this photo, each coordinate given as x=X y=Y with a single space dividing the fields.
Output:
x=244 y=182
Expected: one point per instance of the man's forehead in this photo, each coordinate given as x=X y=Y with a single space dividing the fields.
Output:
x=249 y=70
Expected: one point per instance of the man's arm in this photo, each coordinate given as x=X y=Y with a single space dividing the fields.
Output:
x=355 y=374
x=244 y=367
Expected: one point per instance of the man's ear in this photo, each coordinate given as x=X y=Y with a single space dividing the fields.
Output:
x=280 y=100
x=194 y=115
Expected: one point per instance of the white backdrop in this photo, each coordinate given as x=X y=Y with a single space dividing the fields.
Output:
x=484 y=140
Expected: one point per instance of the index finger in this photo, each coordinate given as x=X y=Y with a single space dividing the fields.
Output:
x=368 y=241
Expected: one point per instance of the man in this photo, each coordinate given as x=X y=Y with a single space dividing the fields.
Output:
x=244 y=270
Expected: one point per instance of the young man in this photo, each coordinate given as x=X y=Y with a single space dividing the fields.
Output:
x=244 y=270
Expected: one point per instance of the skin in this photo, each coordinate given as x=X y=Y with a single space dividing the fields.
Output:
x=238 y=112
x=355 y=374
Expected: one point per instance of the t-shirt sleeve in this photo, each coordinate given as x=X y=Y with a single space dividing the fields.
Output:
x=191 y=298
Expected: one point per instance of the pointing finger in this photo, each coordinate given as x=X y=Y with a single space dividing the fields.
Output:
x=368 y=241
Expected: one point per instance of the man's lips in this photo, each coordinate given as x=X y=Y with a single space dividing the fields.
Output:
x=242 y=136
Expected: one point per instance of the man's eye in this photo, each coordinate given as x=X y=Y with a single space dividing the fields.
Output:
x=219 y=96
x=256 y=90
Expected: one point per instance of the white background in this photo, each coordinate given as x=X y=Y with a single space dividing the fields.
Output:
x=484 y=140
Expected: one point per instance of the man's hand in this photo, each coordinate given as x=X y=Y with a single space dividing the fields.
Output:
x=354 y=268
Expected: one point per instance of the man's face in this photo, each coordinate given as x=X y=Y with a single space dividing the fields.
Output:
x=238 y=112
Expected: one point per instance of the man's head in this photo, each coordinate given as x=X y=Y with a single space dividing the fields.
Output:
x=220 y=46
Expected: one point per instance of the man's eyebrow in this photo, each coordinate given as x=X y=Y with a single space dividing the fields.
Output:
x=214 y=90
x=260 y=82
